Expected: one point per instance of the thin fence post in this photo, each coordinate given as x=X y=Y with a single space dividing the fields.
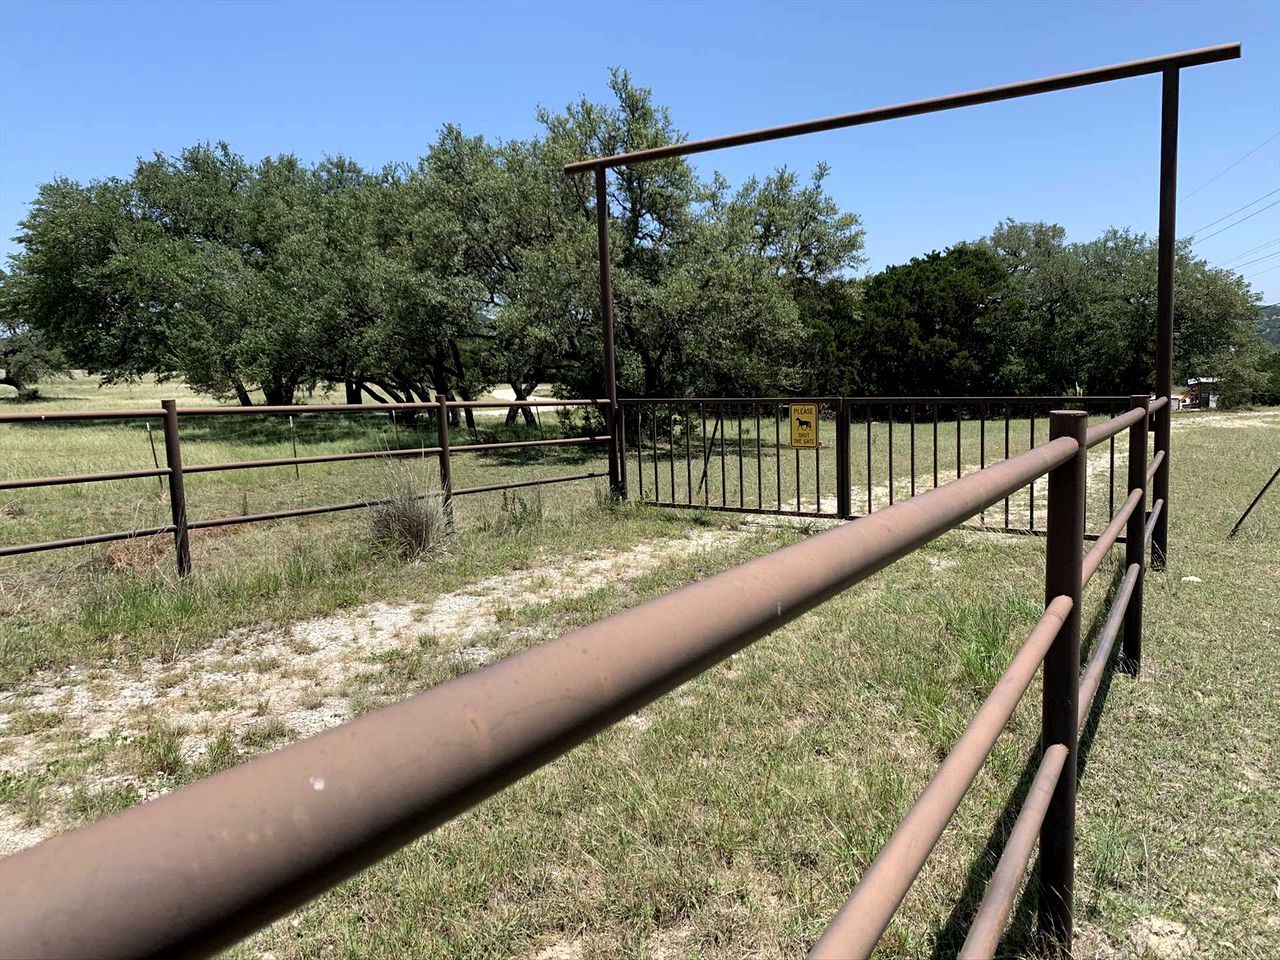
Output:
x=177 y=493
x=1064 y=553
x=155 y=459
x=843 y=506
x=1131 y=653
x=293 y=439
x=446 y=470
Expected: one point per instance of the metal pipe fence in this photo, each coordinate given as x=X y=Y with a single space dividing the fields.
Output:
x=175 y=471
x=192 y=872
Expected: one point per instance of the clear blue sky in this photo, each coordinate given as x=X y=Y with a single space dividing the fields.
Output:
x=87 y=87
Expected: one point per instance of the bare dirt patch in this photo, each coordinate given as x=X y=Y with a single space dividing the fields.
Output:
x=294 y=678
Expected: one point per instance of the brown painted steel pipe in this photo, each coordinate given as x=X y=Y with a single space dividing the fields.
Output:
x=81 y=478
x=517 y=484
x=63 y=415
x=1155 y=466
x=193 y=871
x=993 y=914
x=1152 y=519
x=1027 y=88
x=14 y=551
x=1107 y=539
x=304 y=408
x=1109 y=428
x=859 y=925
x=317 y=458
x=1106 y=640
x=1157 y=403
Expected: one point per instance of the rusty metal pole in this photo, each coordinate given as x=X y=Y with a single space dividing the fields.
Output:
x=1064 y=555
x=177 y=493
x=446 y=469
x=843 y=505
x=1164 y=304
x=617 y=481
x=1131 y=653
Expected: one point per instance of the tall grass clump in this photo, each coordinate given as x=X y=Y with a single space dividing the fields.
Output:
x=410 y=517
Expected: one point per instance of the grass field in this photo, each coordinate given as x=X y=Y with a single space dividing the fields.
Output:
x=732 y=817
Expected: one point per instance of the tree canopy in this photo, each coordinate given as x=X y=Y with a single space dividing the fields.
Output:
x=476 y=266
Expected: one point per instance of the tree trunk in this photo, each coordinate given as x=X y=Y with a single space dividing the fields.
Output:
x=242 y=395
x=353 y=391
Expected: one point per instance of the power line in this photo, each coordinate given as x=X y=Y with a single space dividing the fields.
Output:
x=1245 y=253
x=1249 y=263
x=1261 y=272
x=1238 y=222
x=1234 y=212
x=1232 y=166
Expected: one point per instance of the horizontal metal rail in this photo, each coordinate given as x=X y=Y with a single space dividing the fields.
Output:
x=921 y=400
x=997 y=904
x=64 y=415
x=225 y=855
x=517 y=484
x=1155 y=465
x=1109 y=428
x=81 y=478
x=1109 y=537
x=303 y=409
x=1152 y=517
x=1157 y=403
x=13 y=551
x=857 y=928
x=1027 y=88
x=1106 y=640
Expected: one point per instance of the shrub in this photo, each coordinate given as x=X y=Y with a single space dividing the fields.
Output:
x=410 y=517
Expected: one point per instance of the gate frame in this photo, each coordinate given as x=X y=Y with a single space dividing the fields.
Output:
x=1168 y=66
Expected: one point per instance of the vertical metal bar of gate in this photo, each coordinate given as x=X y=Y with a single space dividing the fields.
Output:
x=843 y=488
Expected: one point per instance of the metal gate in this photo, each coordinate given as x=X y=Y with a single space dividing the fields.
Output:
x=736 y=454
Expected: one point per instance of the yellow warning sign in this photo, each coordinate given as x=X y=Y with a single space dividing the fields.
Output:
x=804 y=424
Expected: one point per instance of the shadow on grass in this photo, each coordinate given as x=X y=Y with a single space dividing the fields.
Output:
x=1020 y=935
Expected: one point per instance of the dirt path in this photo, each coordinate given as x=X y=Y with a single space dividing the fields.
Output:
x=301 y=677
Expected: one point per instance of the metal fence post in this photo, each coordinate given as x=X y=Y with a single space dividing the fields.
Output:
x=1065 y=552
x=843 y=491
x=446 y=470
x=617 y=477
x=177 y=493
x=1165 y=251
x=1131 y=653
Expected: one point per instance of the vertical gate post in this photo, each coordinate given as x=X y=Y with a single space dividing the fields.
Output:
x=446 y=468
x=1164 y=304
x=1065 y=552
x=1131 y=654
x=177 y=492
x=843 y=506
x=617 y=478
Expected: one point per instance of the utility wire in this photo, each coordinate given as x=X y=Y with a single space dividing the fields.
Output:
x=1234 y=212
x=1231 y=167
x=1238 y=222
x=1249 y=263
x=1261 y=272
x=1245 y=253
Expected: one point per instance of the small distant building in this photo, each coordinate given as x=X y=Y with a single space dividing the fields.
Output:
x=1202 y=393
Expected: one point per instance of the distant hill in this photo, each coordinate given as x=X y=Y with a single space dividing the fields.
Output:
x=1268 y=324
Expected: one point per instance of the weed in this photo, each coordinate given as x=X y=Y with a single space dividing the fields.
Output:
x=409 y=518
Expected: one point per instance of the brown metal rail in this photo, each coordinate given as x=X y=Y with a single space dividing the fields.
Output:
x=1065 y=81
x=219 y=858
x=175 y=471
